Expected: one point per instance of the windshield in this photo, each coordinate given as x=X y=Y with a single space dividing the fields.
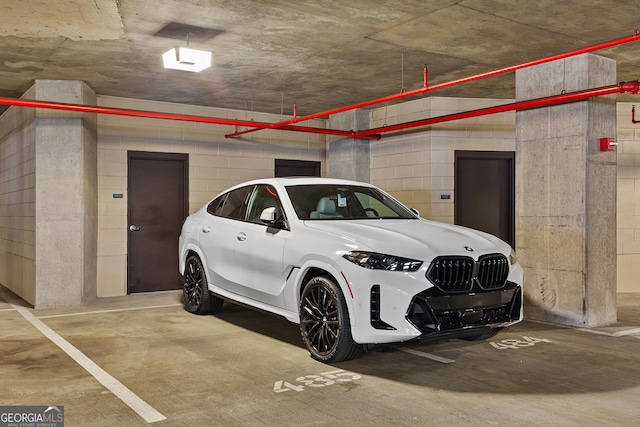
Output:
x=331 y=201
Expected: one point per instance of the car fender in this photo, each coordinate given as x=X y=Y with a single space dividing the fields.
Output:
x=191 y=247
x=292 y=299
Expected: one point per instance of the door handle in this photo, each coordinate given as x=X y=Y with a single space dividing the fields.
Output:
x=133 y=228
x=241 y=236
x=206 y=229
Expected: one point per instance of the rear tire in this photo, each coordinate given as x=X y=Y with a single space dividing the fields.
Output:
x=324 y=322
x=197 y=298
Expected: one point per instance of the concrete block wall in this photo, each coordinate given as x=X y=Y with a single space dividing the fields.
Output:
x=215 y=163
x=17 y=200
x=418 y=167
x=628 y=206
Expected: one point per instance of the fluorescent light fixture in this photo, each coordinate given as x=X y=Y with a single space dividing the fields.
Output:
x=186 y=59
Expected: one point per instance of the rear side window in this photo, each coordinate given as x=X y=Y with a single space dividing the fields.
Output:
x=231 y=204
x=214 y=207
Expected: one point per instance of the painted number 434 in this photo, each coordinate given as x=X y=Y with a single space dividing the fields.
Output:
x=518 y=343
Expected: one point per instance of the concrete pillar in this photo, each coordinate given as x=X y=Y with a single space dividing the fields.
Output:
x=566 y=194
x=349 y=158
x=65 y=197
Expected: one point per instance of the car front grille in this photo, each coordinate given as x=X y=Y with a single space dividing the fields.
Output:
x=458 y=273
x=493 y=271
x=452 y=274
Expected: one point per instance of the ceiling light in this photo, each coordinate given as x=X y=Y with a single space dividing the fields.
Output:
x=186 y=59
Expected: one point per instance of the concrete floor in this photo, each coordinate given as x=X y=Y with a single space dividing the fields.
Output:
x=242 y=367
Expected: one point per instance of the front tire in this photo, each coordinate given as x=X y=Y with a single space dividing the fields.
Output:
x=324 y=322
x=197 y=298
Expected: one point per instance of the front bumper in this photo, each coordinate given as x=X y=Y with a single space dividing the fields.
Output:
x=439 y=315
x=394 y=307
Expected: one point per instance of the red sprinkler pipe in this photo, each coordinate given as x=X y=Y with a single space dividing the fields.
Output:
x=375 y=133
x=632 y=87
x=337 y=110
x=165 y=116
x=425 y=88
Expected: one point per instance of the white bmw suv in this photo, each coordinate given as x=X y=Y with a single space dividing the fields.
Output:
x=347 y=262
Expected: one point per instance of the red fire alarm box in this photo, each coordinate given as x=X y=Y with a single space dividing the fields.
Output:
x=608 y=144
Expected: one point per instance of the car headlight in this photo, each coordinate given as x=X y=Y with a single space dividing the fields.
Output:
x=512 y=257
x=376 y=261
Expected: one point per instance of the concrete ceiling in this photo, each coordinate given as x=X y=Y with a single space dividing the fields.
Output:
x=320 y=54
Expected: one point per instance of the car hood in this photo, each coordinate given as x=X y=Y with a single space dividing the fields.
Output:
x=412 y=238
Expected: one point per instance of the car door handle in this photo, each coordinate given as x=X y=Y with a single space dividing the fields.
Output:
x=241 y=236
x=133 y=228
x=206 y=229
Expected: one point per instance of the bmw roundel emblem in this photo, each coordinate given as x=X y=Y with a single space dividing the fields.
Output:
x=468 y=248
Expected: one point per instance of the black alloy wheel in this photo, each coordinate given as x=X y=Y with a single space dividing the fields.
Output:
x=197 y=298
x=324 y=322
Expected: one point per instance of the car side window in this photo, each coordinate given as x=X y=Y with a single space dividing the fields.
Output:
x=214 y=207
x=231 y=204
x=264 y=196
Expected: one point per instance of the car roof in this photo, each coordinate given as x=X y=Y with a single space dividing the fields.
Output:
x=294 y=180
x=302 y=180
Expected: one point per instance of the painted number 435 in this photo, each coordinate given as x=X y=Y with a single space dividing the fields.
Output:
x=315 y=381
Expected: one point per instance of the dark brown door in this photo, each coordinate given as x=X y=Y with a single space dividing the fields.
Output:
x=158 y=205
x=285 y=167
x=485 y=192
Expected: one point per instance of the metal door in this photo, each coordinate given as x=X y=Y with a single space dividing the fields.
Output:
x=285 y=167
x=157 y=207
x=485 y=192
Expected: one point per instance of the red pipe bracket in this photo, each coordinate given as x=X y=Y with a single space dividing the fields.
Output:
x=633 y=115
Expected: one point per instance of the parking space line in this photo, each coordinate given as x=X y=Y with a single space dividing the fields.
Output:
x=622 y=333
x=128 y=397
x=627 y=332
x=426 y=355
x=115 y=310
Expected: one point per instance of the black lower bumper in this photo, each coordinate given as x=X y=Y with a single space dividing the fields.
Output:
x=441 y=315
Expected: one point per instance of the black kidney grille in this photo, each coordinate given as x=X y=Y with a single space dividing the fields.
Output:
x=452 y=274
x=493 y=271
x=457 y=274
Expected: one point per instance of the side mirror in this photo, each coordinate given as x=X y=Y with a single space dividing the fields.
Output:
x=415 y=211
x=268 y=216
x=273 y=218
